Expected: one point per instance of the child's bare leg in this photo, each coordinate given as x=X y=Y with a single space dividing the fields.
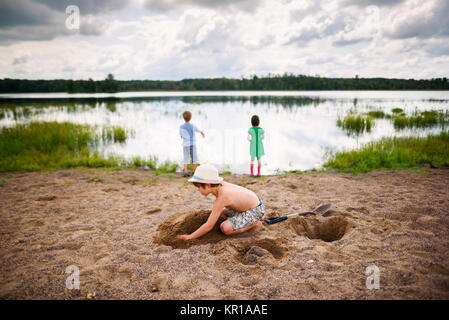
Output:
x=228 y=230
x=193 y=167
x=185 y=168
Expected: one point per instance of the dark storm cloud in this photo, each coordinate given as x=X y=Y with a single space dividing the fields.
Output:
x=23 y=13
x=41 y=20
x=86 y=6
x=168 y=5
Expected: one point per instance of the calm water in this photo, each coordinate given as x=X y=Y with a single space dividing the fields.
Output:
x=300 y=126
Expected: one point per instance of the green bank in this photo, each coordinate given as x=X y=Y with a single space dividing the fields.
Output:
x=393 y=153
x=52 y=145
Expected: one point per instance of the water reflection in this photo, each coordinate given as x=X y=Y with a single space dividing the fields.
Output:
x=300 y=126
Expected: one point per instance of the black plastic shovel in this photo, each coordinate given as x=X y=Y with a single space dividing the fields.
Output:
x=320 y=210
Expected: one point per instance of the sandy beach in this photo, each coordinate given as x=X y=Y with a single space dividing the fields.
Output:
x=118 y=228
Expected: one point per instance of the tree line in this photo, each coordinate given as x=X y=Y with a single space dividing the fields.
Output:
x=269 y=82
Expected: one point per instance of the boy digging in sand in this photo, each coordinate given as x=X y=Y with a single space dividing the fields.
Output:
x=243 y=207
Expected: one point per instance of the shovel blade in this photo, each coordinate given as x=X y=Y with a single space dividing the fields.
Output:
x=322 y=209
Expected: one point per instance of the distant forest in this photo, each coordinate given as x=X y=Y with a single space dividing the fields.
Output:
x=270 y=82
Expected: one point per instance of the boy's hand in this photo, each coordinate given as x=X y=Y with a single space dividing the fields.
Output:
x=183 y=236
x=202 y=133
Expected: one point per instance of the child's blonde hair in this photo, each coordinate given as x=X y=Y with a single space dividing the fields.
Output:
x=187 y=115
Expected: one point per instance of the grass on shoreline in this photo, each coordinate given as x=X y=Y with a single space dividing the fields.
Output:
x=423 y=119
x=355 y=123
x=393 y=153
x=113 y=133
x=53 y=145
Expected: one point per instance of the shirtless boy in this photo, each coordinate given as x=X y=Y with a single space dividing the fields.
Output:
x=243 y=207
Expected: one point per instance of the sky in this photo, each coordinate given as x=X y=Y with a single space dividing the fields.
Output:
x=180 y=39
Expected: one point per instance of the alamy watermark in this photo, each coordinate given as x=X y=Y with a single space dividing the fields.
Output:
x=373 y=279
x=72 y=281
x=72 y=21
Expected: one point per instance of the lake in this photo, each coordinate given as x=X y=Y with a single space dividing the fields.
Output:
x=301 y=126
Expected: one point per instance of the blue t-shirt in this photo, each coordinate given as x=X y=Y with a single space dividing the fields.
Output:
x=187 y=132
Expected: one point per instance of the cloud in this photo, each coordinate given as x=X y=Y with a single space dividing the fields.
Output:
x=15 y=13
x=421 y=20
x=91 y=26
x=85 y=6
x=40 y=20
x=340 y=26
x=366 y=3
x=320 y=59
x=21 y=58
x=188 y=39
x=169 y=5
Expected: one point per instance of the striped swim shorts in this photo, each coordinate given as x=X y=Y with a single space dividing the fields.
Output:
x=243 y=219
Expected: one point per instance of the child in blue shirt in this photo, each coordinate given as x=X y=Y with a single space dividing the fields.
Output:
x=187 y=132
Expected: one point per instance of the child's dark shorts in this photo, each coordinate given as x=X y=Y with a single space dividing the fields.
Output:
x=243 y=219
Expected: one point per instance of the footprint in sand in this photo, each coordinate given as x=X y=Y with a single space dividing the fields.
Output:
x=46 y=198
x=71 y=245
x=112 y=272
x=153 y=210
x=363 y=210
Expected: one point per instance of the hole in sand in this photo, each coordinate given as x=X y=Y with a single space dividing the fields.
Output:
x=331 y=229
x=186 y=223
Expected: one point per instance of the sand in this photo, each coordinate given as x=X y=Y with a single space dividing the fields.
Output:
x=118 y=228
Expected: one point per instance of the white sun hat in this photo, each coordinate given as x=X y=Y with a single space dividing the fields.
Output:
x=206 y=173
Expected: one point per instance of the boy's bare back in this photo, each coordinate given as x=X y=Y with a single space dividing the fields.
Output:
x=236 y=197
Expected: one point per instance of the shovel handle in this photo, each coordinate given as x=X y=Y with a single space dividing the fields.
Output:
x=275 y=220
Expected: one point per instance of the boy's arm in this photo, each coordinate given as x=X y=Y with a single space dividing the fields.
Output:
x=217 y=210
x=198 y=130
